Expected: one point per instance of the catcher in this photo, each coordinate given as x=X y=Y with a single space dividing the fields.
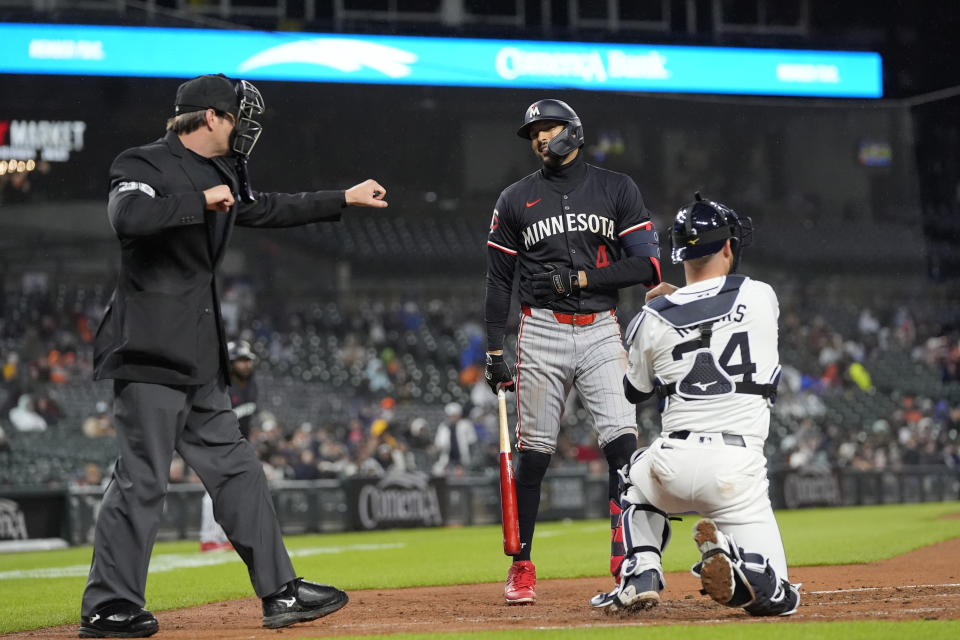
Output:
x=708 y=351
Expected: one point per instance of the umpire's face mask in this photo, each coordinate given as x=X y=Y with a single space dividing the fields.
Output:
x=247 y=131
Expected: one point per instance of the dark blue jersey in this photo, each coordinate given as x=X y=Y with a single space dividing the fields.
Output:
x=576 y=217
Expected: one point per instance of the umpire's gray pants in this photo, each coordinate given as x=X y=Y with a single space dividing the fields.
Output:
x=152 y=421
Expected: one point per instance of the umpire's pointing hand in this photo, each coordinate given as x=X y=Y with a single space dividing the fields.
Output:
x=497 y=373
x=368 y=193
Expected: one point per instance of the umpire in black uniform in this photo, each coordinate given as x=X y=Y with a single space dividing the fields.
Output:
x=173 y=207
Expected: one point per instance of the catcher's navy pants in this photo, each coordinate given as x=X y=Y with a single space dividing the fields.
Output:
x=152 y=421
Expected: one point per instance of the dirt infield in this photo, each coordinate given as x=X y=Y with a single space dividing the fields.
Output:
x=922 y=585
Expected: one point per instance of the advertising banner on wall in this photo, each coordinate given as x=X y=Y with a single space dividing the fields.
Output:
x=396 y=500
x=41 y=140
x=28 y=516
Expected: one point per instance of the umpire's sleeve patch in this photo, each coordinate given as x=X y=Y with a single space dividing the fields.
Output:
x=136 y=186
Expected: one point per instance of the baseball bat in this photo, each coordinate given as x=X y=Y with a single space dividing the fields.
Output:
x=508 y=484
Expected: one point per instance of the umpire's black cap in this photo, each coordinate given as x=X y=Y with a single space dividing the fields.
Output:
x=207 y=92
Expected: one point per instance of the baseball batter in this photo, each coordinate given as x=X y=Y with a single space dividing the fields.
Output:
x=577 y=234
x=709 y=351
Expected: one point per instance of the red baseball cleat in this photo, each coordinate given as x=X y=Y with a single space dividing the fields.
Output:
x=521 y=583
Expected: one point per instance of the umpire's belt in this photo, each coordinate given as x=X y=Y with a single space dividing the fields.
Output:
x=578 y=319
x=731 y=439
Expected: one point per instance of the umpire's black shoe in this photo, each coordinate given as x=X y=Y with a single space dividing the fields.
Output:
x=301 y=601
x=118 y=619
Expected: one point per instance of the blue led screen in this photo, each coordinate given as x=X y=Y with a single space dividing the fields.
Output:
x=258 y=55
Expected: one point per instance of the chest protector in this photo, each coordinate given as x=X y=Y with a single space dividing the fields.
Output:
x=705 y=378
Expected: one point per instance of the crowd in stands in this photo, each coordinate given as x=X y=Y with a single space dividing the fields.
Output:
x=870 y=390
x=366 y=387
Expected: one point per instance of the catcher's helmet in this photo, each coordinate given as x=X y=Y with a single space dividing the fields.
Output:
x=701 y=227
x=549 y=109
x=240 y=350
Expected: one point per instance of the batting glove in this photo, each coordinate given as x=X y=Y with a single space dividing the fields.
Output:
x=497 y=373
x=556 y=284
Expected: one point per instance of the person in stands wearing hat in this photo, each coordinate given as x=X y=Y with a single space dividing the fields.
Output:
x=173 y=204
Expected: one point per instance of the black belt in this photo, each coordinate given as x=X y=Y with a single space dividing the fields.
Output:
x=766 y=390
x=731 y=439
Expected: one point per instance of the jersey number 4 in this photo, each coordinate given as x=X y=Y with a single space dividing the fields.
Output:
x=738 y=342
x=602 y=259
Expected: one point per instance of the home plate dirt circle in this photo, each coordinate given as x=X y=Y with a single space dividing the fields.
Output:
x=921 y=585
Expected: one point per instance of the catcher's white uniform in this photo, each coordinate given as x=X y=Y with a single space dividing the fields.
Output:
x=710 y=349
x=743 y=343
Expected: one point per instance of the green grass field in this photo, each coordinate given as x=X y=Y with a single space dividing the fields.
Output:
x=41 y=589
x=868 y=630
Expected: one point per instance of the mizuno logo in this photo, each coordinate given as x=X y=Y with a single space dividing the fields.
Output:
x=94 y=618
x=703 y=386
x=530 y=204
x=287 y=602
x=693 y=241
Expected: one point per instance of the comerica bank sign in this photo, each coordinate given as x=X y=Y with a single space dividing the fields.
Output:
x=258 y=55
x=396 y=500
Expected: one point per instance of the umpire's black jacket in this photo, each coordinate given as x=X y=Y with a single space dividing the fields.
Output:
x=162 y=324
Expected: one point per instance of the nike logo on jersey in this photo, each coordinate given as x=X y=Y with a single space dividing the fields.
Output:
x=530 y=204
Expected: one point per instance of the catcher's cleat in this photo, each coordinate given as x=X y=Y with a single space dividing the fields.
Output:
x=521 y=583
x=721 y=573
x=716 y=572
x=301 y=601
x=639 y=592
x=696 y=569
x=604 y=600
x=118 y=619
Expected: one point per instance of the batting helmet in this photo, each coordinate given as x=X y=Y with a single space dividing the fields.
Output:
x=240 y=350
x=701 y=228
x=566 y=141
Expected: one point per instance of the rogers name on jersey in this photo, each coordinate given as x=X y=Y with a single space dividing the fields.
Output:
x=547 y=227
x=734 y=316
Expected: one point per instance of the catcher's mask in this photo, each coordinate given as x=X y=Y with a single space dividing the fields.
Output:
x=565 y=142
x=239 y=98
x=248 y=129
x=701 y=228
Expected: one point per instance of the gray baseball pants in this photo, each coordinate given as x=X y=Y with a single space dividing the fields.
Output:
x=552 y=358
